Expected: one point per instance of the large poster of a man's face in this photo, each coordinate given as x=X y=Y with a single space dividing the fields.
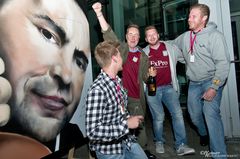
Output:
x=45 y=47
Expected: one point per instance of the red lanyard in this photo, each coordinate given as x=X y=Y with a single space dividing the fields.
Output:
x=192 y=40
x=120 y=96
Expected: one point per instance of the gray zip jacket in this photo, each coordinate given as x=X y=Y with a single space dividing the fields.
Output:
x=211 y=56
x=174 y=55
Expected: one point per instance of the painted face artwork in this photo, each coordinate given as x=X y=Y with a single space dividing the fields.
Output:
x=45 y=46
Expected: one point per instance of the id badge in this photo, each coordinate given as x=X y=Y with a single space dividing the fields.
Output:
x=135 y=59
x=165 y=53
x=192 y=58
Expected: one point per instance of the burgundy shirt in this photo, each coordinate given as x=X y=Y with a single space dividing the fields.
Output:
x=160 y=59
x=130 y=74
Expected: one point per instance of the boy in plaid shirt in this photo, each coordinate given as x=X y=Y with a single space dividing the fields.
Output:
x=108 y=123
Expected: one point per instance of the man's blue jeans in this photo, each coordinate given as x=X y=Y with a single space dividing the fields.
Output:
x=170 y=98
x=202 y=111
x=134 y=152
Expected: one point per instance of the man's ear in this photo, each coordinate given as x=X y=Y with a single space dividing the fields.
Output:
x=205 y=17
x=146 y=39
x=114 y=59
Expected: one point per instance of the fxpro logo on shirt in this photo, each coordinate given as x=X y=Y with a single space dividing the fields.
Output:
x=159 y=64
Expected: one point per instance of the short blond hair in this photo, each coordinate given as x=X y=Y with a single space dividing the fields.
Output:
x=149 y=28
x=104 y=52
x=205 y=11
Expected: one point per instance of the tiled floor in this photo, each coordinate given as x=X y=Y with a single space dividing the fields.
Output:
x=233 y=145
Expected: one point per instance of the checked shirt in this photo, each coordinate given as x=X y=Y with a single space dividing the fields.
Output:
x=106 y=115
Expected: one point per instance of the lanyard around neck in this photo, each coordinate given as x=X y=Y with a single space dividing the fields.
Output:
x=120 y=95
x=192 y=40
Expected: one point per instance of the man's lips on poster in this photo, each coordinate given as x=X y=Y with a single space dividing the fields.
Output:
x=50 y=104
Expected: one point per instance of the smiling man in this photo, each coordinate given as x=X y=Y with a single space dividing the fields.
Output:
x=45 y=45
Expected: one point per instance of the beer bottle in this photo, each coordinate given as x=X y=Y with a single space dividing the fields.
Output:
x=151 y=85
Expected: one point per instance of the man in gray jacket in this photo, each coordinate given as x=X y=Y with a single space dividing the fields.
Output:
x=207 y=61
x=163 y=56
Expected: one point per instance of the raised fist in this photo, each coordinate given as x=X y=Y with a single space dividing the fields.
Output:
x=97 y=7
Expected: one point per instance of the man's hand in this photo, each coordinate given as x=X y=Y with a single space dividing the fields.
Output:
x=209 y=94
x=97 y=7
x=5 y=94
x=152 y=71
x=134 y=121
